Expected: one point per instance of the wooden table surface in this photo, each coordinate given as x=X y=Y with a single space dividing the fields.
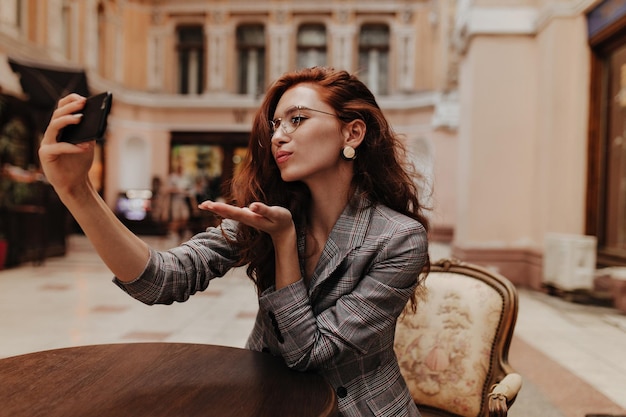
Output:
x=159 y=379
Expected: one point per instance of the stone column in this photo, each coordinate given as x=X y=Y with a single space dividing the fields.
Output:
x=279 y=47
x=91 y=43
x=343 y=44
x=404 y=42
x=217 y=64
x=155 y=59
x=55 y=27
x=118 y=48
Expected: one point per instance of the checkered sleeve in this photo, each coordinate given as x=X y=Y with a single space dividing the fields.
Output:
x=176 y=274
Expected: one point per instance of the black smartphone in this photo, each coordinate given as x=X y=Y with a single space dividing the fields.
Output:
x=94 y=122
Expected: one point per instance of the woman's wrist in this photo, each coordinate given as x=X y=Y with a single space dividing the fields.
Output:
x=286 y=258
x=285 y=239
x=78 y=194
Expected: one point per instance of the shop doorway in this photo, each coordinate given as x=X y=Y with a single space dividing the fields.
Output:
x=202 y=166
x=606 y=200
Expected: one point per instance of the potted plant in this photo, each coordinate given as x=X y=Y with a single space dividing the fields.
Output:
x=15 y=138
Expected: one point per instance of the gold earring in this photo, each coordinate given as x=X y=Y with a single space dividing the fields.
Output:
x=348 y=153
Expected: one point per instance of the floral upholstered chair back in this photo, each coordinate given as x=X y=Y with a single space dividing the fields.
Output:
x=454 y=349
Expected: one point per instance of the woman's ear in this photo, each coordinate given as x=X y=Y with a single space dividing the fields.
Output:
x=354 y=133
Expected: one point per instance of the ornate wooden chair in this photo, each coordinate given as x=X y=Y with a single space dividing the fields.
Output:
x=453 y=351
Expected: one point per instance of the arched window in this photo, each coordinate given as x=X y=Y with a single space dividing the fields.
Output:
x=190 y=59
x=251 y=50
x=374 y=57
x=311 y=45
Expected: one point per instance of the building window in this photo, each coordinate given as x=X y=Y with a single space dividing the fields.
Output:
x=374 y=57
x=190 y=59
x=19 y=15
x=251 y=50
x=102 y=41
x=66 y=30
x=311 y=45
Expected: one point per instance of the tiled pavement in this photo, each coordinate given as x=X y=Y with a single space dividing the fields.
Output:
x=572 y=356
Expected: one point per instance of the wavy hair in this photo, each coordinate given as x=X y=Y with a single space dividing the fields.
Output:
x=382 y=171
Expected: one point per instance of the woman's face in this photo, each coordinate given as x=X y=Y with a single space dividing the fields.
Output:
x=312 y=151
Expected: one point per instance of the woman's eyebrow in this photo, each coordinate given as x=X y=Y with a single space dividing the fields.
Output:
x=289 y=110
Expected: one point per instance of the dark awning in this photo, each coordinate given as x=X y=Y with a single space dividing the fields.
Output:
x=45 y=84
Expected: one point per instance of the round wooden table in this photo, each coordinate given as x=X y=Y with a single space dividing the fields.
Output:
x=159 y=379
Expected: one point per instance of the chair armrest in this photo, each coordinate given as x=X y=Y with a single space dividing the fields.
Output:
x=503 y=393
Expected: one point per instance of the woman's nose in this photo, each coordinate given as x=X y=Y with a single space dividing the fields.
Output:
x=279 y=136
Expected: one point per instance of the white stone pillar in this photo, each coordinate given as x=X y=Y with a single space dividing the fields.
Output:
x=118 y=42
x=217 y=38
x=91 y=44
x=72 y=34
x=55 y=27
x=342 y=40
x=156 y=43
x=404 y=43
x=279 y=47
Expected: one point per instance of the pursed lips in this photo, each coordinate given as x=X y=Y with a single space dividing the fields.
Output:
x=282 y=156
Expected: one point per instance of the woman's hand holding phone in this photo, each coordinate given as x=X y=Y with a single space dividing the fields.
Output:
x=93 y=122
x=66 y=165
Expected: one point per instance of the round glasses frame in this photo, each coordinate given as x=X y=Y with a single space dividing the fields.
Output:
x=293 y=122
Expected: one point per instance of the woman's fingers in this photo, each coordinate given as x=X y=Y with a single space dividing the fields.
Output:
x=53 y=151
x=258 y=215
x=72 y=97
x=66 y=113
x=65 y=165
x=276 y=214
x=229 y=212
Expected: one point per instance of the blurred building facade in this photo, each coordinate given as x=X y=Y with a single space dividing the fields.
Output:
x=503 y=103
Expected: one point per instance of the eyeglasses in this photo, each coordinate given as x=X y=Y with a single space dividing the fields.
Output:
x=292 y=120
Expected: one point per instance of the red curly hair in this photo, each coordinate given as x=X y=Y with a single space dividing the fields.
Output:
x=382 y=173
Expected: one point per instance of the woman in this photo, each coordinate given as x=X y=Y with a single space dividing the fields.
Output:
x=326 y=217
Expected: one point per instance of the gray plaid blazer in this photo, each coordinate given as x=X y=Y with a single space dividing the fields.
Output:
x=342 y=325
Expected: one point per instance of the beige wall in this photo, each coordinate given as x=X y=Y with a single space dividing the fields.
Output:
x=524 y=94
x=497 y=141
x=563 y=120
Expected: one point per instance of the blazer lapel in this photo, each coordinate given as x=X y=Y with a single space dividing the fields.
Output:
x=347 y=235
